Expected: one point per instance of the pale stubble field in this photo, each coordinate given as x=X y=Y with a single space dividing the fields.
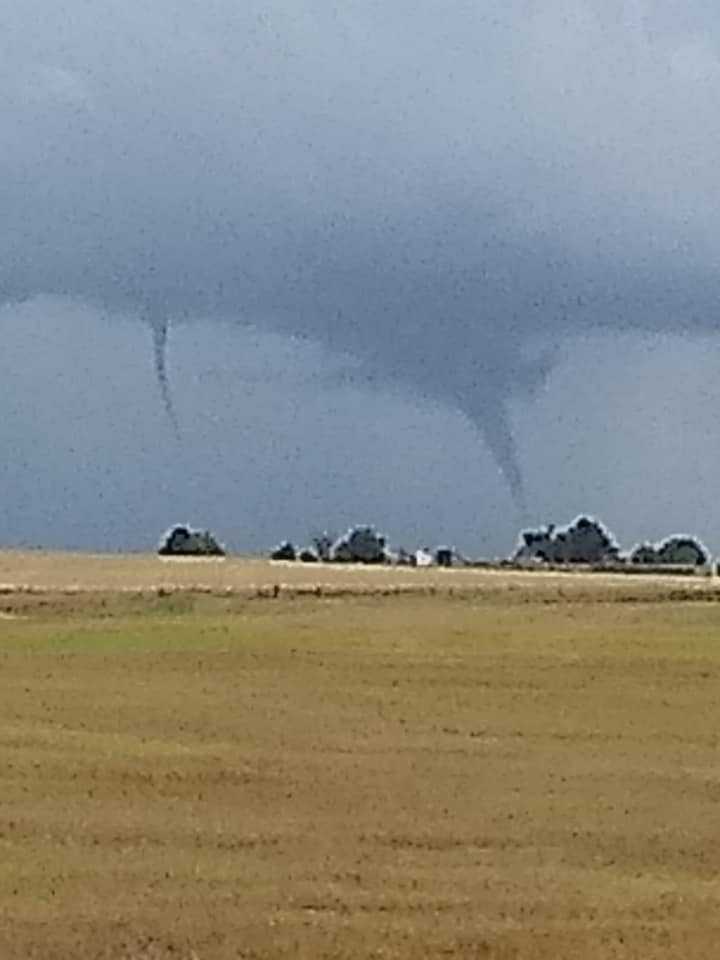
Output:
x=525 y=768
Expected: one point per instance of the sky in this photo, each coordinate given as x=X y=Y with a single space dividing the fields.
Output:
x=450 y=268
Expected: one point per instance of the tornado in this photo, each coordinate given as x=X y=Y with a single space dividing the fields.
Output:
x=491 y=418
x=160 y=327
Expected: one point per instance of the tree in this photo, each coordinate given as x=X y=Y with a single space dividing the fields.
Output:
x=585 y=540
x=679 y=550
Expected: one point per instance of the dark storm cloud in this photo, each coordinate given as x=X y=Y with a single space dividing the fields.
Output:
x=440 y=191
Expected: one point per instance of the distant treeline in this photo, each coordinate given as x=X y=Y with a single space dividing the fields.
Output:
x=585 y=542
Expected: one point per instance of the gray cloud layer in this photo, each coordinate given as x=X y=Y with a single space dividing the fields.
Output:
x=440 y=191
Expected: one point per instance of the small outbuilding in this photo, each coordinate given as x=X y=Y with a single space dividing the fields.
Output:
x=423 y=557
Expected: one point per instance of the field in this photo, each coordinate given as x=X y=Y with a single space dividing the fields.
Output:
x=206 y=761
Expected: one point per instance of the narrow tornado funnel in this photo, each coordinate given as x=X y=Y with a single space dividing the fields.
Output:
x=490 y=416
x=160 y=327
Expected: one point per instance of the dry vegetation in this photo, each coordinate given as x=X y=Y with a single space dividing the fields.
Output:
x=37 y=572
x=525 y=769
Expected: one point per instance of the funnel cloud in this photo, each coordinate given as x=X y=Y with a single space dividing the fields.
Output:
x=159 y=327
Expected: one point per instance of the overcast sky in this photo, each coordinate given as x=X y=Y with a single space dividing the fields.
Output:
x=447 y=267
